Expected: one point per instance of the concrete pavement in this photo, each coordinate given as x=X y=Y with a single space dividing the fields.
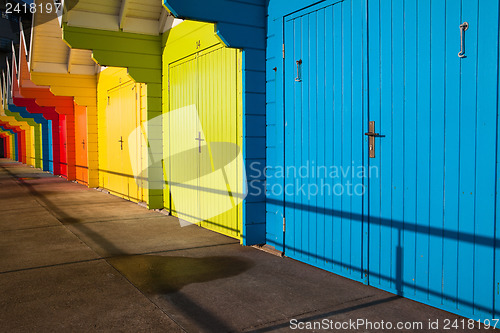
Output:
x=74 y=259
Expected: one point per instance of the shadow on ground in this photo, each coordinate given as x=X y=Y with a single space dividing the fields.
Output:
x=170 y=278
x=167 y=274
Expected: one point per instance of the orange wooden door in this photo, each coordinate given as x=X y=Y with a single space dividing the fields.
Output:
x=81 y=144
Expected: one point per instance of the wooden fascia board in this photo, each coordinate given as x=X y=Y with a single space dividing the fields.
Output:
x=20 y=118
x=141 y=54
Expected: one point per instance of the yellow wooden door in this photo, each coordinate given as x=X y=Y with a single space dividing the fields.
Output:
x=220 y=114
x=204 y=130
x=114 y=144
x=122 y=119
x=182 y=147
x=129 y=122
x=32 y=161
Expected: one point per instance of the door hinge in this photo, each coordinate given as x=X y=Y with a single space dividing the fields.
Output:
x=284 y=225
x=283 y=51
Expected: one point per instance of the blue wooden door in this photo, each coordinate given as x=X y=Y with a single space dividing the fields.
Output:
x=431 y=207
x=425 y=225
x=324 y=122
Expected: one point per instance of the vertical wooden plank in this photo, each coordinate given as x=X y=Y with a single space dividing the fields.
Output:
x=437 y=133
x=128 y=120
x=374 y=90
x=297 y=109
x=135 y=123
x=303 y=132
x=329 y=133
x=275 y=129
x=321 y=132
x=290 y=97
x=385 y=171
x=487 y=99
x=467 y=142
x=356 y=147
x=451 y=163
x=423 y=125
x=346 y=135
x=410 y=147
x=338 y=112
x=310 y=83
x=398 y=95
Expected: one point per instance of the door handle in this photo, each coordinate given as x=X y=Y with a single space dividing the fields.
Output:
x=121 y=142
x=463 y=28
x=376 y=135
x=371 y=138
x=299 y=76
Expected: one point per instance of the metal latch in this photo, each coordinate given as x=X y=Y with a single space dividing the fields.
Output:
x=463 y=28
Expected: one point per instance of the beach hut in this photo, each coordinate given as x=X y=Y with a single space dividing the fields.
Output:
x=232 y=30
x=125 y=34
x=71 y=73
x=48 y=113
x=63 y=106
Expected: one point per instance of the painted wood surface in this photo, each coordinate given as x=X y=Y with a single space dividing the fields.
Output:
x=425 y=227
x=204 y=82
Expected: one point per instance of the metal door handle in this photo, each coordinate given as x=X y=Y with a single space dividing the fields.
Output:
x=463 y=28
x=371 y=138
x=298 y=79
x=374 y=135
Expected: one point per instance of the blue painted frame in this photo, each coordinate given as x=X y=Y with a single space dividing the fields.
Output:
x=46 y=134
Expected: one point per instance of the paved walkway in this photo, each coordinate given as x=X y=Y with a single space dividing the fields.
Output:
x=74 y=259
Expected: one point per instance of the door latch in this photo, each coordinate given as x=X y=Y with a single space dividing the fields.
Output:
x=463 y=28
x=371 y=138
